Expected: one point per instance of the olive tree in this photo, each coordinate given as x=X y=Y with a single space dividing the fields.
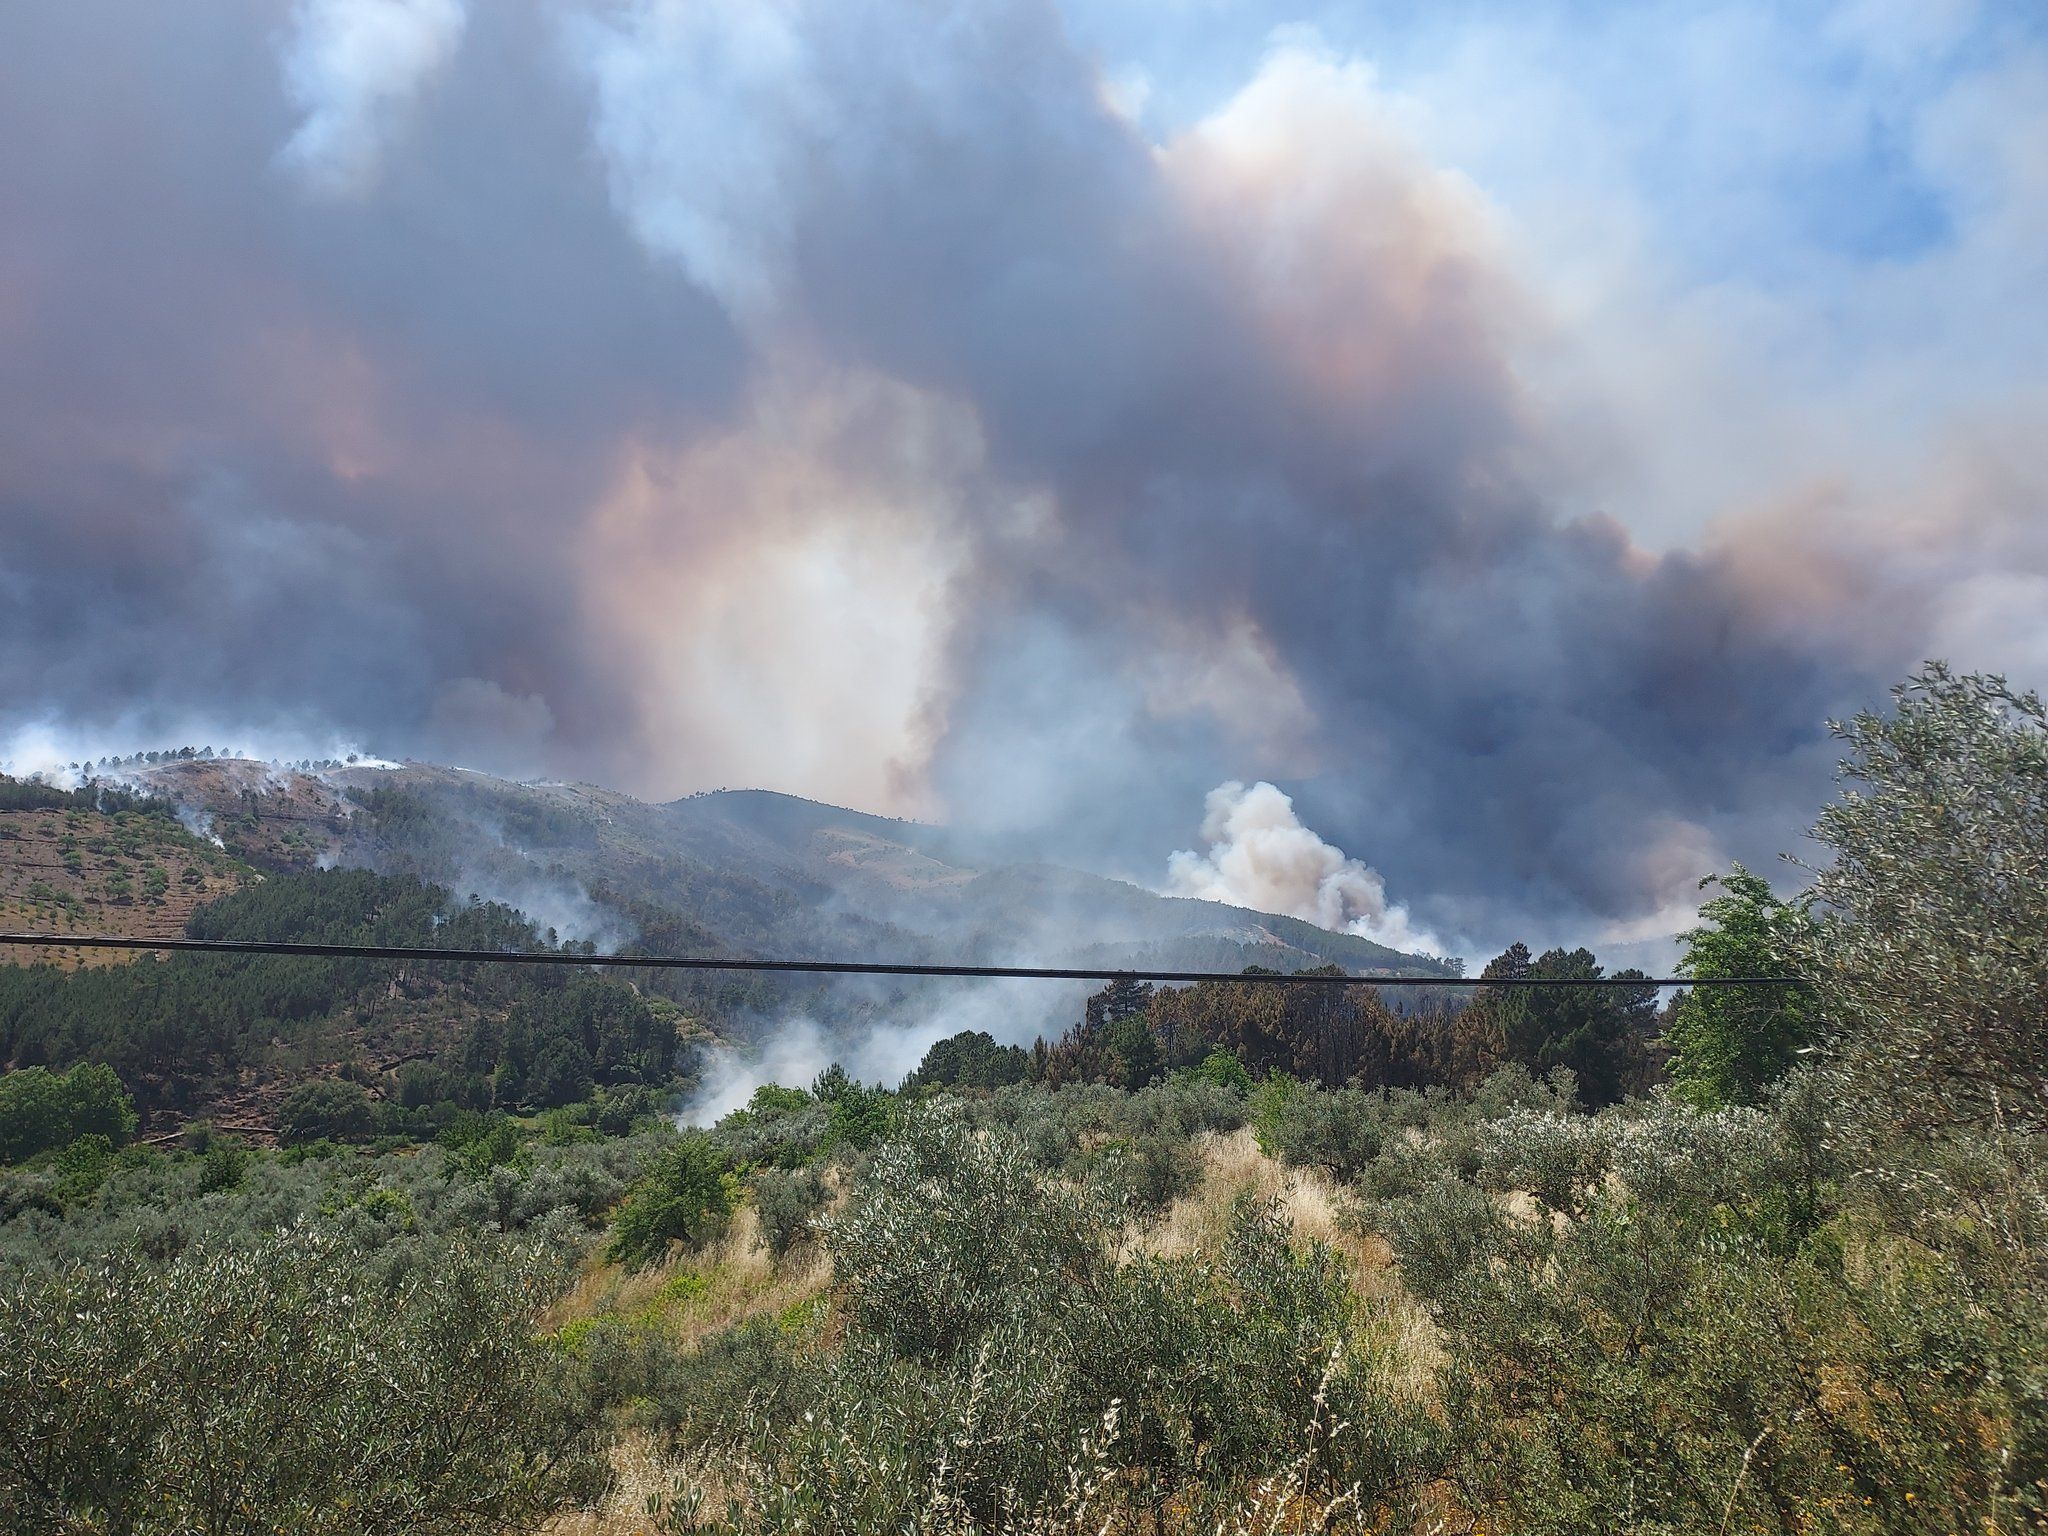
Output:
x=276 y=1386
x=1931 y=950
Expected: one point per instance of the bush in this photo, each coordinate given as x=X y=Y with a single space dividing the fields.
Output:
x=780 y=1127
x=1339 y=1132
x=788 y=1204
x=1150 y=1171
x=329 y=1109
x=684 y=1197
x=992 y=1330
x=1931 y=956
x=222 y=1166
x=1223 y=1070
x=276 y=1387
x=1726 y=1333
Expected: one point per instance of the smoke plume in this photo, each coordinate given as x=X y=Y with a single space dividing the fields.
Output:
x=1513 y=430
x=1261 y=856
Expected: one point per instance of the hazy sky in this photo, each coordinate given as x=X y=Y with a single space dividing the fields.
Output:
x=1511 y=433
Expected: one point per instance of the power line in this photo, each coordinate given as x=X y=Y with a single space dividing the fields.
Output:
x=849 y=967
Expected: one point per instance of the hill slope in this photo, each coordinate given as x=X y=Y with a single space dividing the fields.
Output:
x=736 y=872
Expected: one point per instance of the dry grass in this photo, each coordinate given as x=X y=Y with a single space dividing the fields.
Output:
x=640 y=1473
x=1234 y=1164
x=740 y=1280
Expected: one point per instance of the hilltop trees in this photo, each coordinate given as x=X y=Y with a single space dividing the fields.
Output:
x=1600 y=1034
x=174 y=1029
x=970 y=1059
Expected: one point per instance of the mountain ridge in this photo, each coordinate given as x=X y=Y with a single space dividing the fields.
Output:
x=742 y=871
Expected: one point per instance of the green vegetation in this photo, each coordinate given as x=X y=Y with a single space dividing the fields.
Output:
x=684 y=1197
x=421 y=1405
x=1224 y=1258
x=43 y=1111
x=1729 y=1044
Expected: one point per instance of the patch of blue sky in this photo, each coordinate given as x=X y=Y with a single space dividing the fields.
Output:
x=1758 y=141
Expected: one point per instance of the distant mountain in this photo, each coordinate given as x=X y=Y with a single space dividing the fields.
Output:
x=738 y=874
x=745 y=872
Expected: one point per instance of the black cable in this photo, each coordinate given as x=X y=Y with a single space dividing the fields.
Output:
x=851 y=967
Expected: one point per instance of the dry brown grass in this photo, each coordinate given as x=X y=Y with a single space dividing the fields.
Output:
x=639 y=1472
x=741 y=1280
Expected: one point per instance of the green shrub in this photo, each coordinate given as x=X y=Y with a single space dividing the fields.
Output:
x=1725 y=1332
x=1271 y=1103
x=780 y=1127
x=684 y=1197
x=1338 y=1131
x=222 y=1166
x=788 y=1203
x=1223 y=1070
x=328 y=1109
x=42 y=1110
x=1150 y=1171
x=1931 y=955
x=857 y=1116
x=277 y=1387
x=993 y=1325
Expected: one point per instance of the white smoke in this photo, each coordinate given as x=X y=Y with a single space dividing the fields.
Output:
x=200 y=824
x=793 y=1056
x=351 y=66
x=1260 y=856
x=796 y=1050
x=550 y=901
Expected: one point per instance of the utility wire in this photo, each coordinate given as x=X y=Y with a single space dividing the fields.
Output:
x=850 y=967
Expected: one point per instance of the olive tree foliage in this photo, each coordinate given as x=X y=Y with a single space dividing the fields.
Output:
x=1665 y=1320
x=1931 y=950
x=952 y=1229
x=276 y=1386
x=1002 y=1337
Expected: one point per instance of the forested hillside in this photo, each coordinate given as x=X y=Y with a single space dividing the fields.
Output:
x=264 y=1041
x=733 y=871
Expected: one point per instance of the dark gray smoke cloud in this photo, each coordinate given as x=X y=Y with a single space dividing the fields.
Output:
x=856 y=398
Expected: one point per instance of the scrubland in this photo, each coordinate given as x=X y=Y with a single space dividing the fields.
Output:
x=1796 y=1280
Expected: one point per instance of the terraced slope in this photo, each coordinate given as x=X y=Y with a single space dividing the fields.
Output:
x=127 y=872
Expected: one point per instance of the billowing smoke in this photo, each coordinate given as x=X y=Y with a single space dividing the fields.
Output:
x=1513 y=430
x=352 y=66
x=793 y=1051
x=1259 y=855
